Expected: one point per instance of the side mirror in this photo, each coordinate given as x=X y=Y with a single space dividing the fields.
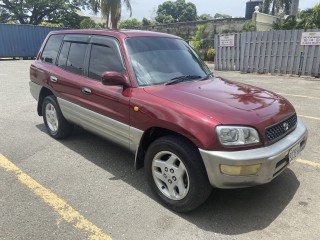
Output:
x=113 y=78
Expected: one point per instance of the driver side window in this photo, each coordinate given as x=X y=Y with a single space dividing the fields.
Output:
x=103 y=58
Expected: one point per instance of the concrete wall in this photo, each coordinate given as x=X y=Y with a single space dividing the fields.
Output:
x=263 y=21
x=187 y=29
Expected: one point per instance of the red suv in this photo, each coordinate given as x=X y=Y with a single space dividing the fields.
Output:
x=152 y=94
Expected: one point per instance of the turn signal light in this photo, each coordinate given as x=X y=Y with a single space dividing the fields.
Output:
x=240 y=170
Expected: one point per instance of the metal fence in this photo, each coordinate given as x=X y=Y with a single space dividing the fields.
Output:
x=22 y=40
x=277 y=52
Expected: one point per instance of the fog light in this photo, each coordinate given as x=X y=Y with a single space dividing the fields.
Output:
x=240 y=170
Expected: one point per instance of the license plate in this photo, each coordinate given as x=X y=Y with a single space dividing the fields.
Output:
x=294 y=153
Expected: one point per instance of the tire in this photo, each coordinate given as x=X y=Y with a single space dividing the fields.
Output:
x=176 y=173
x=57 y=126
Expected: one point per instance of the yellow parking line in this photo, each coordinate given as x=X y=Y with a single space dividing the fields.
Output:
x=313 y=164
x=303 y=96
x=57 y=203
x=314 y=118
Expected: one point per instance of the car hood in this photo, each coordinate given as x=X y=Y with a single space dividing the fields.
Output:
x=227 y=102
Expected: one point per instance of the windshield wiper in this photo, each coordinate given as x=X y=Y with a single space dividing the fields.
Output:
x=181 y=79
x=207 y=76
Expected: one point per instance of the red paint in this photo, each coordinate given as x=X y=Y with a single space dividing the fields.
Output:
x=192 y=109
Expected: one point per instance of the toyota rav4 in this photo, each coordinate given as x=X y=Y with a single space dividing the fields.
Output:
x=151 y=93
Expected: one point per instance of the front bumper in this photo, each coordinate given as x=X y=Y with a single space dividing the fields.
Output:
x=273 y=159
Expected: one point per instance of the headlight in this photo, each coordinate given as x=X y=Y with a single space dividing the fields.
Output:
x=236 y=135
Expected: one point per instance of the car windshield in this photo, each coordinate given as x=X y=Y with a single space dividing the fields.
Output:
x=160 y=60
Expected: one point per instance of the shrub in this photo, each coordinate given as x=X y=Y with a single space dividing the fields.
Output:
x=198 y=39
x=249 y=27
x=210 y=54
x=87 y=23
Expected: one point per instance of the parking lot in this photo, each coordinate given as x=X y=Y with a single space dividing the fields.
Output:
x=85 y=187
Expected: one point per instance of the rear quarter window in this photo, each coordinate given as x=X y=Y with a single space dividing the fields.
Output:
x=51 y=49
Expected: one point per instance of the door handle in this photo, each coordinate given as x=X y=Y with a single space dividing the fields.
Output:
x=53 y=79
x=86 y=90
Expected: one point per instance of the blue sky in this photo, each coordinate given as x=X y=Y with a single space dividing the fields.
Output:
x=235 y=8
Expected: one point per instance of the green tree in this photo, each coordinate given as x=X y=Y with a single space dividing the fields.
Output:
x=178 y=11
x=130 y=23
x=162 y=18
x=285 y=24
x=219 y=15
x=146 y=22
x=4 y=16
x=87 y=23
x=36 y=11
x=111 y=10
x=275 y=6
x=266 y=6
x=306 y=19
x=309 y=18
x=69 y=19
x=48 y=24
x=205 y=16
x=287 y=4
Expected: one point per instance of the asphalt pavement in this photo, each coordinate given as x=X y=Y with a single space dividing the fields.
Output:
x=85 y=187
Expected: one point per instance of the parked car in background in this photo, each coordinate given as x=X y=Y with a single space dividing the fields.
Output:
x=150 y=93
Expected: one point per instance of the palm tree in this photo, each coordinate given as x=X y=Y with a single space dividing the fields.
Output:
x=276 y=6
x=110 y=10
x=286 y=5
x=310 y=18
x=266 y=6
x=294 y=7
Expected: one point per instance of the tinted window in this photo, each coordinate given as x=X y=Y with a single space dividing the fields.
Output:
x=76 y=57
x=62 y=61
x=51 y=49
x=103 y=58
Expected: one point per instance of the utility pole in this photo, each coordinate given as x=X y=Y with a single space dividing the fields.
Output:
x=294 y=7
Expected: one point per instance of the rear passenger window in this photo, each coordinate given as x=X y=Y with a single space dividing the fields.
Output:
x=103 y=58
x=51 y=49
x=75 y=62
x=62 y=61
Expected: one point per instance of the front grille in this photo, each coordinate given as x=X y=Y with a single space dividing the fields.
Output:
x=280 y=130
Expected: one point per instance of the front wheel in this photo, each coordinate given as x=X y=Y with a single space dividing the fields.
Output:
x=57 y=126
x=176 y=173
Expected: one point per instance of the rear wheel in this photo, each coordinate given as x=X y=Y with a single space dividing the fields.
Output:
x=57 y=126
x=176 y=173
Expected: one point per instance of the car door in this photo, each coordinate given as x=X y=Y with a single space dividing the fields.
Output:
x=69 y=71
x=40 y=69
x=108 y=105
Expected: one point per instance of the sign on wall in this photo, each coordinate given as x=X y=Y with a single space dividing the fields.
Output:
x=310 y=38
x=227 y=41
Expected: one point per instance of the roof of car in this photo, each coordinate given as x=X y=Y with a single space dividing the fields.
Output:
x=123 y=33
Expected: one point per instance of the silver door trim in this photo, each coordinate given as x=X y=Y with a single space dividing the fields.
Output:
x=115 y=131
